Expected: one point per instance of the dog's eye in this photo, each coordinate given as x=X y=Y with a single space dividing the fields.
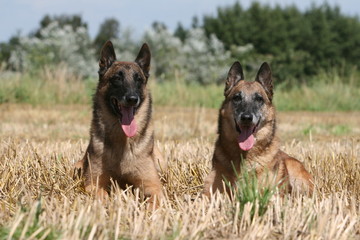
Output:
x=237 y=98
x=138 y=78
x=116 y=81
x=258 y=98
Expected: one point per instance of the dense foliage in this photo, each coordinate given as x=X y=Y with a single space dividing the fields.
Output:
x=56 y=45
x=297 y=44
x=196 y=59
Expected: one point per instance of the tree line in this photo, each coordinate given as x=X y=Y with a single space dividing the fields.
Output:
x=298 y=44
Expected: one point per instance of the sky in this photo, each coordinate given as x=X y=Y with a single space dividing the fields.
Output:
x=24 y=15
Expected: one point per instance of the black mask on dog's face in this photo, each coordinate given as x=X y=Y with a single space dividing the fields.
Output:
x=126 y=82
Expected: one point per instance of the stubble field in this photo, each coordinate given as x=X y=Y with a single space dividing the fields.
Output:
x=40 y=199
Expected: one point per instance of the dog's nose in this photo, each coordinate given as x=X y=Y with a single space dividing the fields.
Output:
x=246 y=118
x=132 y=99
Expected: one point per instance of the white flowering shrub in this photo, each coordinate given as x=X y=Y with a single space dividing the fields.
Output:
x=205 y=59
x=197 y=59
x=165 y=50
x=57 y=45
x=126 y=48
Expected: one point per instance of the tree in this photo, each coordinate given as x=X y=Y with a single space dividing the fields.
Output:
x=57 y=45
x=196 y=60
x=75 y=21
x=230 y=25
x=195 y=22
x=165 y=51
x=180 y=32
x=6 y=49
x=298 y=44
x=109 y=30
x=158 y=26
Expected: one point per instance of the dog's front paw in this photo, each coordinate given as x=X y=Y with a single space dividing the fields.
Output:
x=78 y=169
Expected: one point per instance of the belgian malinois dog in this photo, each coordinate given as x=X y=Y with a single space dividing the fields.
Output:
x=246 y=137
x=121 y=144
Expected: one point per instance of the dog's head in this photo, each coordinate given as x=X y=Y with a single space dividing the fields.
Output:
x=249 y=103
x=124 y=84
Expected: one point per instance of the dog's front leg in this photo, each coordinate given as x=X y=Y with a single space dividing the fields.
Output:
x=215 y=181
x=149 y=184
x=98 y=185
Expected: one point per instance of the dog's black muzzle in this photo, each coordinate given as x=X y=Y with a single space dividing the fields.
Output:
x=129 y=100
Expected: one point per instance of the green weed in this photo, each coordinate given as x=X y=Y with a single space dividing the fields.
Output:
x=29 y=226
x=247 y=190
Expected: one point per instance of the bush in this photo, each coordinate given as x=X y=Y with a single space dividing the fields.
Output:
x=166 y=52
x=197 y=59
x=247 y=190
x=57 y=45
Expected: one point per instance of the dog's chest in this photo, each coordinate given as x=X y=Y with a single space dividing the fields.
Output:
x=120 y=159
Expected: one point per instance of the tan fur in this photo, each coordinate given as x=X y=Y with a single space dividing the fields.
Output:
x=272 y=166
x=112 y=155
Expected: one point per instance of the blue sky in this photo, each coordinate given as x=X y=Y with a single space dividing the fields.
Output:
x=25 y=15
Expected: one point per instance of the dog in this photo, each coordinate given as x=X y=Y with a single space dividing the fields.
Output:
x=247 y=138
x=121 y=147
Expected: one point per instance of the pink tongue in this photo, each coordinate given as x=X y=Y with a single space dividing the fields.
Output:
x=128 y=123
x=246 y=138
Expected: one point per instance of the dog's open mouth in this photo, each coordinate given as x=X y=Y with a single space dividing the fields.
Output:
x=246 y=139
x=127 y=119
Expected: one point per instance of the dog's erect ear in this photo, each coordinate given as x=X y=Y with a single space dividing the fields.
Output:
x=107 y=57
x=264 y=78
x=143 y=59
x=234 y=76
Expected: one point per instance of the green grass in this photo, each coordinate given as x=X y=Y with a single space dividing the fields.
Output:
x=180 y=94
x=333 y=129
x=29 y=226
x=247 y=191
x=51 y=86
x=57 y=86
x=319 y=97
